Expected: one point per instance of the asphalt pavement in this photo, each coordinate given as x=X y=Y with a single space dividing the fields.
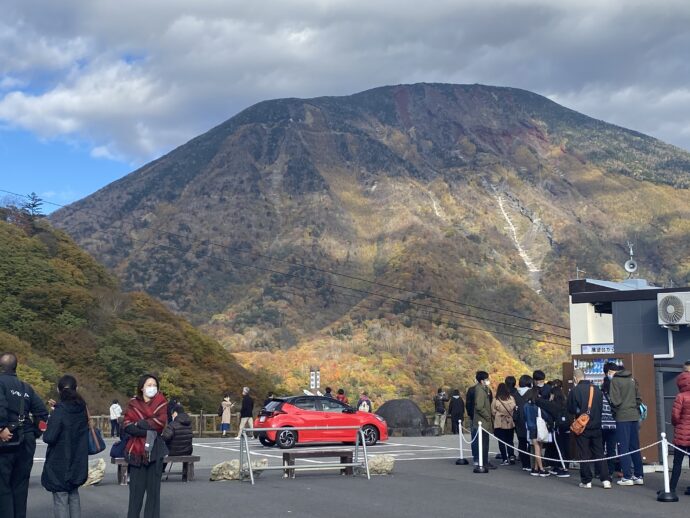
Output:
x=425 y=482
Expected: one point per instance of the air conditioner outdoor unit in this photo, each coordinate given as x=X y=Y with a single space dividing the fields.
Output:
x=673 y=308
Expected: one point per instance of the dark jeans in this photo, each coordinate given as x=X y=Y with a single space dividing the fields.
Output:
x=485 y=447
x=628 y=437
x=455 y=425
x=15 y=469
x=145 y=480
x=524 y=458
x=507 y=436
x=590 y=446
x=678 y=457
x=114 y=428
x=609 y=440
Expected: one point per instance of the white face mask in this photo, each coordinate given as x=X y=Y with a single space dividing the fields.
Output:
x=150 y=391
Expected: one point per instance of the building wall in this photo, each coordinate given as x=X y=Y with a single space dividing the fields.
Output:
x=636 y=330
x=588 y=327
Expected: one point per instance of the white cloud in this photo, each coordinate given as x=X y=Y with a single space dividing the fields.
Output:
x=135 y=85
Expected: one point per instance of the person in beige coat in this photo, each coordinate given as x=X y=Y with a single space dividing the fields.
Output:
x=226 y=406
x=502 y=409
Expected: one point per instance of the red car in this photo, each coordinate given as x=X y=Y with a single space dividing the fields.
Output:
x=297 y=411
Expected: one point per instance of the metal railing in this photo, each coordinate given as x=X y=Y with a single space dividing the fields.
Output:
x=359 y=441
x=202 y=423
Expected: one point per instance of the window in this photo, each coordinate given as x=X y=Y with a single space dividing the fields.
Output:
x=332 y=405
x=305 y=403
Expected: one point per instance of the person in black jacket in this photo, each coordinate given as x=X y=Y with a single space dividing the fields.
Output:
x=16 y=462
x=246 y=412
x=67 y=459
x=178 y=434
x=525 y=384
x=555 y=410
x=589 y=444
x=456 y=409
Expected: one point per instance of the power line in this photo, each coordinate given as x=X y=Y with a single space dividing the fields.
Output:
x=375 y=283
x=270 y=270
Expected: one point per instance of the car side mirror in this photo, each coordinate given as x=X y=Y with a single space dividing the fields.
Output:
x=349 y=410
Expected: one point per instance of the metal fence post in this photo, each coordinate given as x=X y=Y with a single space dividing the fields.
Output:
x=666 y=495
x=462 y=461
x=480 y=468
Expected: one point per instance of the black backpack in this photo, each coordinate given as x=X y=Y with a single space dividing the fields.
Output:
x=220 y=410
x=469 y=401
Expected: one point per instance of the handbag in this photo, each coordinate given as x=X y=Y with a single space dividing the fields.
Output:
x=543 y=434
x=17 y=428
x=96 y=442
x=579 y=424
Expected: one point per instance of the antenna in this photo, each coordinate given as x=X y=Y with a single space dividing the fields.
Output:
x=578 y=272
x=630 y=265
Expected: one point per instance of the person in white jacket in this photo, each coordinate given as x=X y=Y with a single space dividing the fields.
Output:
x=115 y=413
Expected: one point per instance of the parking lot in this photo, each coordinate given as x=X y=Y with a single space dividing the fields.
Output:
x=425 y=482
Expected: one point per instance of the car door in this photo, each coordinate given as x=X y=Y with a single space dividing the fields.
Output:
x=308 y=415
x=336 y=414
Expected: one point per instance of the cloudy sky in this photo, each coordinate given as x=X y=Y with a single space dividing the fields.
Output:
x=90 y=90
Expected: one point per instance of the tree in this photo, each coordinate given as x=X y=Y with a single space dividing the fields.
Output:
x=33 y=205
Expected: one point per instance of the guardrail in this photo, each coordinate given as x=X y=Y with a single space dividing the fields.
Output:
x=202 y=423
x=245 y=451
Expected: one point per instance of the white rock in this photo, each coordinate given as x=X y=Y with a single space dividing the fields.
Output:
x=230 y=470
x=381 y=464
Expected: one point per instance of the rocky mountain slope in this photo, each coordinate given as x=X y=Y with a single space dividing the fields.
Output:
x=62 y=312
x=285 y=231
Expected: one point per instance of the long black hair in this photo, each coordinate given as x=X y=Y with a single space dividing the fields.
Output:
x=67 y=387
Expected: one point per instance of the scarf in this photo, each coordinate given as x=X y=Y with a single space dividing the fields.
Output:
x=155 y=413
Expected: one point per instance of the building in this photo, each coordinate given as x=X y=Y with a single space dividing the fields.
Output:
x=611 y=318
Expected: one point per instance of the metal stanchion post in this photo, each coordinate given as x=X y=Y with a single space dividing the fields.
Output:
x=666 y=495
x=462 y=461
x=480 y=468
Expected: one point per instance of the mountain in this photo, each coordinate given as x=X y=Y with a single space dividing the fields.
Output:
x=62 y=312
x=286 y=231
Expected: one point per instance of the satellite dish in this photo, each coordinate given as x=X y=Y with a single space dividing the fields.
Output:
x=630 y=266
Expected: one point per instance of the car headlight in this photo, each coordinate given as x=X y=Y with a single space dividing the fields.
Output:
x=380 y=418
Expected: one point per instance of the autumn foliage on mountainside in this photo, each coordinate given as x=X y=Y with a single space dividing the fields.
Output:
x=61 y=312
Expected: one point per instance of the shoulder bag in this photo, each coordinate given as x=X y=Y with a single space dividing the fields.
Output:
x=579 y=424
x=96 y=442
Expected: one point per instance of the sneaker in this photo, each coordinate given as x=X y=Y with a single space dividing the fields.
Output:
x=552 y=471
x=562 y=473
x=625 y=482
x=638 y=481
x=505 y=463
x=585 y=485
x=543 y=473
x=530 y=469
x=606 y=484
x=534 y=472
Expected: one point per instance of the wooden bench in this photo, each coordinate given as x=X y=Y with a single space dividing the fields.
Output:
x=344 y=455
x=186 y=460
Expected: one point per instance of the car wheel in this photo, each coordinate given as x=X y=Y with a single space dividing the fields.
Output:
x=371 y=435
x=263 y=439
x=286 y=439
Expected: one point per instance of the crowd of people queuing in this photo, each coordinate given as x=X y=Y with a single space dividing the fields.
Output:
x=541 y=417
x=604 y=421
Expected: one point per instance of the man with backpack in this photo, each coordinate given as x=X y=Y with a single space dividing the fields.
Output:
x=585 y=401
x=364 y=403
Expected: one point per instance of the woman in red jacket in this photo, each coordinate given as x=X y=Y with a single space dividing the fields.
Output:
x=680 y=418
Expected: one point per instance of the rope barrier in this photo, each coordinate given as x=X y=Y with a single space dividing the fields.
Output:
x=568 y=460
x=684 y=452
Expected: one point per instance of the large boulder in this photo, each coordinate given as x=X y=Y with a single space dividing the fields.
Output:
x=404 y=418
x=96 y=472
x=381 y=464
x=230 y=470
